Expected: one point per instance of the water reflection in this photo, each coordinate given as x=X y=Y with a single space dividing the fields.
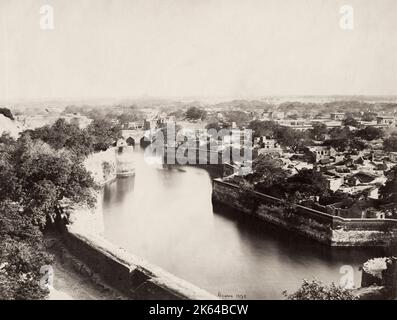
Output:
x=114 y=193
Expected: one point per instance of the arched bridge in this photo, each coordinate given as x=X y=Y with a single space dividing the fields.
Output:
x=137 y=136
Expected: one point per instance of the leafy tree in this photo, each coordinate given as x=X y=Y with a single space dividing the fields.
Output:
x=64 y=135
x=333 y=197
x=104 y=133
x=99 y=135
x=357 y=144
x=316 y=290
x=263 y=128
x=293 y=116
x=195 y=113
x=305 y=184
x=340 y=138
x=390 y=144
x=125 y=117
x=38 y=184
x=337 y=144
x=350 y=121
x=214 y=125
x=319 y=131
x=370 y=133
x=6 y=138
x=7 y=113
x=20 y=263
x=388 y=192
x=239 y=117
x=339 y=133
x=22 y=254
x=267 y=170
x=47 y=178
x=294 y=139
x=368 y=116
x=178 y=114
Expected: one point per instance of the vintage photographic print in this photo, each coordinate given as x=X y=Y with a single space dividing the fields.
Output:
x=198 y=150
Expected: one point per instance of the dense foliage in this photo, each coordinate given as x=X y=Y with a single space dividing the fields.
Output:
x=99 y=135
x=269 y=177
x=306 y=184
x=370 y=133
x=7 y=113
x=195 y=113
x=388 y=192
x=104 y=134
x=42 y=177
x=123 y=113
x=285 y=136
x=390 y=144
x=316 y=290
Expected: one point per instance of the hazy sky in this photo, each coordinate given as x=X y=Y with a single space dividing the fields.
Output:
x=129 y=48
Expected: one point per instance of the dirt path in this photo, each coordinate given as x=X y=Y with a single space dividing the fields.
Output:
x=70 y=284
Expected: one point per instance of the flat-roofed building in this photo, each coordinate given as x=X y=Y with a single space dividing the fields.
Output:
x=385 y=120
x=337 y=115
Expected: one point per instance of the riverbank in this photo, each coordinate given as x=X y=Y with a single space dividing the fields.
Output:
x=320 y=226
x=214 y=249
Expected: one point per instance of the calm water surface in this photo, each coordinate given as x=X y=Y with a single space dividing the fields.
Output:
x=165 y=215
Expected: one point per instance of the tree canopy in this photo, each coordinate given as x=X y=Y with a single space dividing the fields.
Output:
x=39 y=183
x=104 y=134
x=318 y=131
x=316 y=290
x=370 y=133
x=267 y=171
x=388 y=192
x=64 y=135
x=195 y=113
x=390 y=143
x=7 y=113
x=263 y=128
x=350 y=121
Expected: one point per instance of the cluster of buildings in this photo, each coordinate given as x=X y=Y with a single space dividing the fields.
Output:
x=335 y=119
x=357 y=175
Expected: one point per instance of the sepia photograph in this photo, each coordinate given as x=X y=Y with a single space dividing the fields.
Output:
x=220 y=151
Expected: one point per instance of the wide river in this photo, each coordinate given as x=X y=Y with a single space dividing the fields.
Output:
x=165 y=215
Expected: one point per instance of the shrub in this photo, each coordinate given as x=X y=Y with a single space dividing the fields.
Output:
x=317 y=290
x=7 y=113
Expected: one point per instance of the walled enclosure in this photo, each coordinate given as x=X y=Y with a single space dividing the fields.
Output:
x=317 y=225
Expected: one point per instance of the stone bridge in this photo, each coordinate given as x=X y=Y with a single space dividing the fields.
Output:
x=137 y=136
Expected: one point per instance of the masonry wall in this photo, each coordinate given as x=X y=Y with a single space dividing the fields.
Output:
x=323 y=227
x=131 y=275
